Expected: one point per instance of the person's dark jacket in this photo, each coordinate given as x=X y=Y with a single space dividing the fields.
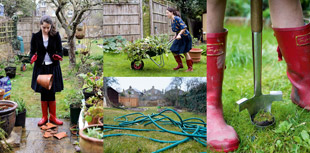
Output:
x=37 y=46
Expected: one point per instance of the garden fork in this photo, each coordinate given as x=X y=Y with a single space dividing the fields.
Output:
x=258 y=101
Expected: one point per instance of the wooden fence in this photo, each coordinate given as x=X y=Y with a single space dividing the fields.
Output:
x=160 y=24
x=129 y=101
x=28 y=25
x=6 y=35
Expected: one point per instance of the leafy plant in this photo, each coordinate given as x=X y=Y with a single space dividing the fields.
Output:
x=92 y=82
x=94 y=100
x=21 y=105
x=93 y=112
x=114 y=44
x=141 y=48
x=4 y=146
x=74 y=99
x=94 y=132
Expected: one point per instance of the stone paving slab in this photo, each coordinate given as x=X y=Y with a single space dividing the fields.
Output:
x=15 y=137
x=34 y=142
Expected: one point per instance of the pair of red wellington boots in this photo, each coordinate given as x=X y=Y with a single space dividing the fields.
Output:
x=294 y=45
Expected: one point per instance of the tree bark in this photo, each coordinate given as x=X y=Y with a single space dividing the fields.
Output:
x=71 y=42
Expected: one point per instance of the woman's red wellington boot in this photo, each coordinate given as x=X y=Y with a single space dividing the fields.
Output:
x=294 y=44
x=220 y=136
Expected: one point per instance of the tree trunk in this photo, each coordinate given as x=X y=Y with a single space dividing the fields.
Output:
x=71 y=43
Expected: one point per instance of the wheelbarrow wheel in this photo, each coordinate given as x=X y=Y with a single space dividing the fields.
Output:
x=137 y=66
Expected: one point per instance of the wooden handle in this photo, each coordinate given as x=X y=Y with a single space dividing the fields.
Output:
x=257 y=15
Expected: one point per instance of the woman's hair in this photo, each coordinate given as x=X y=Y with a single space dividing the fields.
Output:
x=47 y=19
x=174 y=11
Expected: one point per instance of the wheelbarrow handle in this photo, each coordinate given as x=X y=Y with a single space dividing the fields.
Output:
x=170 y=41
x=257 y=15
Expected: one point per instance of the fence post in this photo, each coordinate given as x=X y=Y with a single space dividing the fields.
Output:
x=141 y=19
x=151 y=16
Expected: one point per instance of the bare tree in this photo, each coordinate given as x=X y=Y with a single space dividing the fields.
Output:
x=176 y=83
x=80 y=7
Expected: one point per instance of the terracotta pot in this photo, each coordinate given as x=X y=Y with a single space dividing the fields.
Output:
x=94 y=121
x=2 y=92
x=195 y=54
x=88 y=144
x=45 y=80
x=100 y=120
x=7 y=116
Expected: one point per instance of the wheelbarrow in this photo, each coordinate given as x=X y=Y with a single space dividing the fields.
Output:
x=139 y=64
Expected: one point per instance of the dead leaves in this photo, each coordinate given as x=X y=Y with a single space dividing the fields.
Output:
x=51 y=130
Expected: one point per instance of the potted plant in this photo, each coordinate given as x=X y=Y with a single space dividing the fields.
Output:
x=91 y=139
x=20 y=113
x=10 y=69
x=80 y=32
x=93 y=114
x=75 y=103
x=93 y=85
x=195 y=53
x=7 y=115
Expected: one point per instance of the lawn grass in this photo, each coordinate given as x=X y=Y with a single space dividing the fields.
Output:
x=117 y=65
x=21 y=87
x=133 y=144
x=291 y=130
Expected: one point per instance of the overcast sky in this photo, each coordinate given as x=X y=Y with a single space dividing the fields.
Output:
x=142 y=83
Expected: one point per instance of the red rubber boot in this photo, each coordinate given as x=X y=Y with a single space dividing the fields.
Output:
x=44 y=105
x=294 y=44
x=52 y=109
x=179 y=61
x=220 y=136
x=189 y=65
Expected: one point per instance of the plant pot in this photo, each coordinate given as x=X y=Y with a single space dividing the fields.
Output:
x=75 y=110
x=21 y=119
x=45 y=80
x=10 y=72
x=7 y=116
x=100 y=120
x=89 y=144
x=195 y=54
x=65 y=51
x=2 y=92
x=87 y=94
x=94 y=121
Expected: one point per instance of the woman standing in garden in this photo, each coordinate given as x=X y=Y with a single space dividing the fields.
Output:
x=183 y=42
x=46 y=52
x=294 y=44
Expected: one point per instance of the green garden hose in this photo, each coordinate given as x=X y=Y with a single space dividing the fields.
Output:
x=192 y=128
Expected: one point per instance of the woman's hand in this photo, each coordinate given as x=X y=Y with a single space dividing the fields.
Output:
x=34 y=58
x=57 y=57
x=178 y=37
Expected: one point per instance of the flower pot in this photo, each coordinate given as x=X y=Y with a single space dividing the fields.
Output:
x=2 y=92
x=94 y=121
x=75 y=110
x=80 y=33
x=65 y=51
x=45 y=80
x=87 y=94
x=89 y=144
x=195 y=54
x=21 y=119
x=10 y=72
x=7 y=115
x=100 y=120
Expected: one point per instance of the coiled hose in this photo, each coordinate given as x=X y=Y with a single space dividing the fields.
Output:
x=192 y=128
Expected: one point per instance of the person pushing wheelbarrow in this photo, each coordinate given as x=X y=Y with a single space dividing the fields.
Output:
x=183 y=40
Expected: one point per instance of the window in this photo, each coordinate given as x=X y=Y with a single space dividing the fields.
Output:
x=43 y=4
x=43 y=13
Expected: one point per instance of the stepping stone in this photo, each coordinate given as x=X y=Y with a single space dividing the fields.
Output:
x=15 y=138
